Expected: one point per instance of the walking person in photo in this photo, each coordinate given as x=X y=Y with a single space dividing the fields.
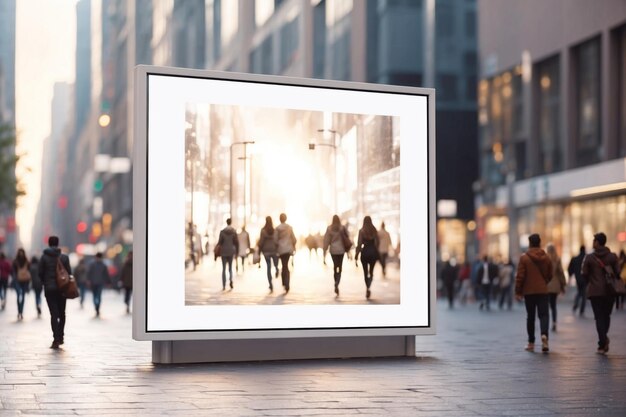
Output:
x=244 y=248
x=268 y=247
x=98 y=277
x=557 y=284
x=21 y=275
x=465 y=282
x=619 y=299
x=36 y=283
x=602 y=261
x=54 y=297
x=449 y=275
x=507 y=276
x=487 y=272
x=575 y=268
x=534 y=271
x=384 y=243
x=228 y=248
x=5 y=274
x=127 y=279
x=80 y=274
x=367 y=247
x=334 y=239
x=286 y=247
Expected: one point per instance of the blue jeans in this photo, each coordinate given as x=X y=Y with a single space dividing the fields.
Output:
x=38 y=297
x=21 y=288
x=82 y=289
x=97 y=296
x=227 y=260
x=268 y=260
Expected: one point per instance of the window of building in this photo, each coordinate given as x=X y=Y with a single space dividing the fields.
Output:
x=444 y=18
x=587 y=74
x=548 y=115
x=289 y=39
x=446 y=85
x=319 y=39
x=470 y=24
x=261 y=57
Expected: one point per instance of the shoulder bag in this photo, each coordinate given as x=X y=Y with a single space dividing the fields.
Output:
x=613 y=285
x=63 y=277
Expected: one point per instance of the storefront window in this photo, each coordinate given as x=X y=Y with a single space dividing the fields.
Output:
x=621 y=65
x=587 y=72
x=548 y=115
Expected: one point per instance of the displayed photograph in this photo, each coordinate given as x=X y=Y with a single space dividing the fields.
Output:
x=290 y=207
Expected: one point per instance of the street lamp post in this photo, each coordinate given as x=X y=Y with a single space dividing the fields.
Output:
x=334 y=146
x=230 y=190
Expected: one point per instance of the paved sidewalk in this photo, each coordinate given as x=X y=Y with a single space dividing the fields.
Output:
x=475 y=366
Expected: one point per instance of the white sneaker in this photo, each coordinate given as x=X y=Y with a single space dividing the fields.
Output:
x=544 y=343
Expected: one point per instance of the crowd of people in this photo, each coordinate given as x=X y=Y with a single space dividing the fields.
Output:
x=279 y=243
x=39 y=274
x=537 y=280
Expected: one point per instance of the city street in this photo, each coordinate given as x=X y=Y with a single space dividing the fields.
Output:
x=474 y=366
x=311 y=283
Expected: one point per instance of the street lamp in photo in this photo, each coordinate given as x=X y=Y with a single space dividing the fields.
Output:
x=333 y=145
x=193 y=152
x=230 y=190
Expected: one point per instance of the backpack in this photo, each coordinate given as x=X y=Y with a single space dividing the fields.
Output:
x=23 y=274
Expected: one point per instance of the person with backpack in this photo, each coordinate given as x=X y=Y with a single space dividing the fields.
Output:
x=227 y=247
x=22 y=278
x=54 y=297
x=597 y=267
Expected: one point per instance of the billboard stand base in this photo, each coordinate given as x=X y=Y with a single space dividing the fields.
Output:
x=241 y=350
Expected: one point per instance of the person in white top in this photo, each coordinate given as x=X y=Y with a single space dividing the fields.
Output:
x=244 y=247
x=384 y=243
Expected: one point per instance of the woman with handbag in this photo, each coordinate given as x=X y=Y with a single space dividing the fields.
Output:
x=337 y=242
x=21 y=276
x=367 y=247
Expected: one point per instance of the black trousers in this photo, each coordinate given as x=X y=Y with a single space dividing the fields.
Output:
x=284 y=270
x=337 y=267
x=602 y=308
x=553 y=297
x=56 y=305
x=536 y=303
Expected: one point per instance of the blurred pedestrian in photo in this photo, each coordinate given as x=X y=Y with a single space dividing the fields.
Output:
x=534 y=271
x=36 y=283
x=506 y=275
x=268 y=247
x=449 y=274
x=98 y=277
x=286 y=241
x=228 y=248
x=465 y=285
x=244 y=247
x=54 y=297
x=367 y=248
x=487 y=272
x=595 y=265
x=21 y=275
x=384 y=244
x=80 y=274
x=575 y=268
x=558 y=283
x=619 y=298
x=127 y=279
x=5 y=274
x=334 y=239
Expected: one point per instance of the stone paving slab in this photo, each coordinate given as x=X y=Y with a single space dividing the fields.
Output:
x=474 y=366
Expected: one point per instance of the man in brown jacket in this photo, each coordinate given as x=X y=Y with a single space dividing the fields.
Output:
x=533 y=273
x=601 y=301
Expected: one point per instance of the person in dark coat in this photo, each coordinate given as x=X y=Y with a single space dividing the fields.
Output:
x=98 y=276
x=54 y=296
x=268 y=247
x=486 y=273
x=449 y=275
x=229 y=247
x=80 y=274
x=127 y=279
x=575 y=268
x=367 y=247
x=593 y=271
x=36 y=283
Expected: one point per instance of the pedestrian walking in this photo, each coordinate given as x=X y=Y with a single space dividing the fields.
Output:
x=228 y=247
x=36 y=283
x=465 y=284
x=80 y=274
x=619 y=298
x=21 y=276
x=127 y=279
x=97 y=276
x=244 y=247
x=487 y=272
x=268 y=247
x=5 y=274
x=575 y=268
x=286 y=241
x=384 y=243
x=367 y=247
x=595 y=265
x=334 y=242
x=557 y=284
x=506 y=279
x=54 y=297
x=449 y=274
x=534 y=271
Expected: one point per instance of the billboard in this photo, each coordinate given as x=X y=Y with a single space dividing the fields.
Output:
x=281 y=207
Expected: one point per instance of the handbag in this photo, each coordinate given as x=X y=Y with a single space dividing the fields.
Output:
x=23 y=274
x=63 y=277
x=71 y=289
x=217 y=251
x=613 y=285
x=347 y=243
x=256 y=256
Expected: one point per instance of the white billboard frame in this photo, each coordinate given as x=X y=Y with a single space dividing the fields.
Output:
x=141 y=313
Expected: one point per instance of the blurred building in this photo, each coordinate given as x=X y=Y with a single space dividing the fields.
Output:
x=8 y=230
x=552 y=115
